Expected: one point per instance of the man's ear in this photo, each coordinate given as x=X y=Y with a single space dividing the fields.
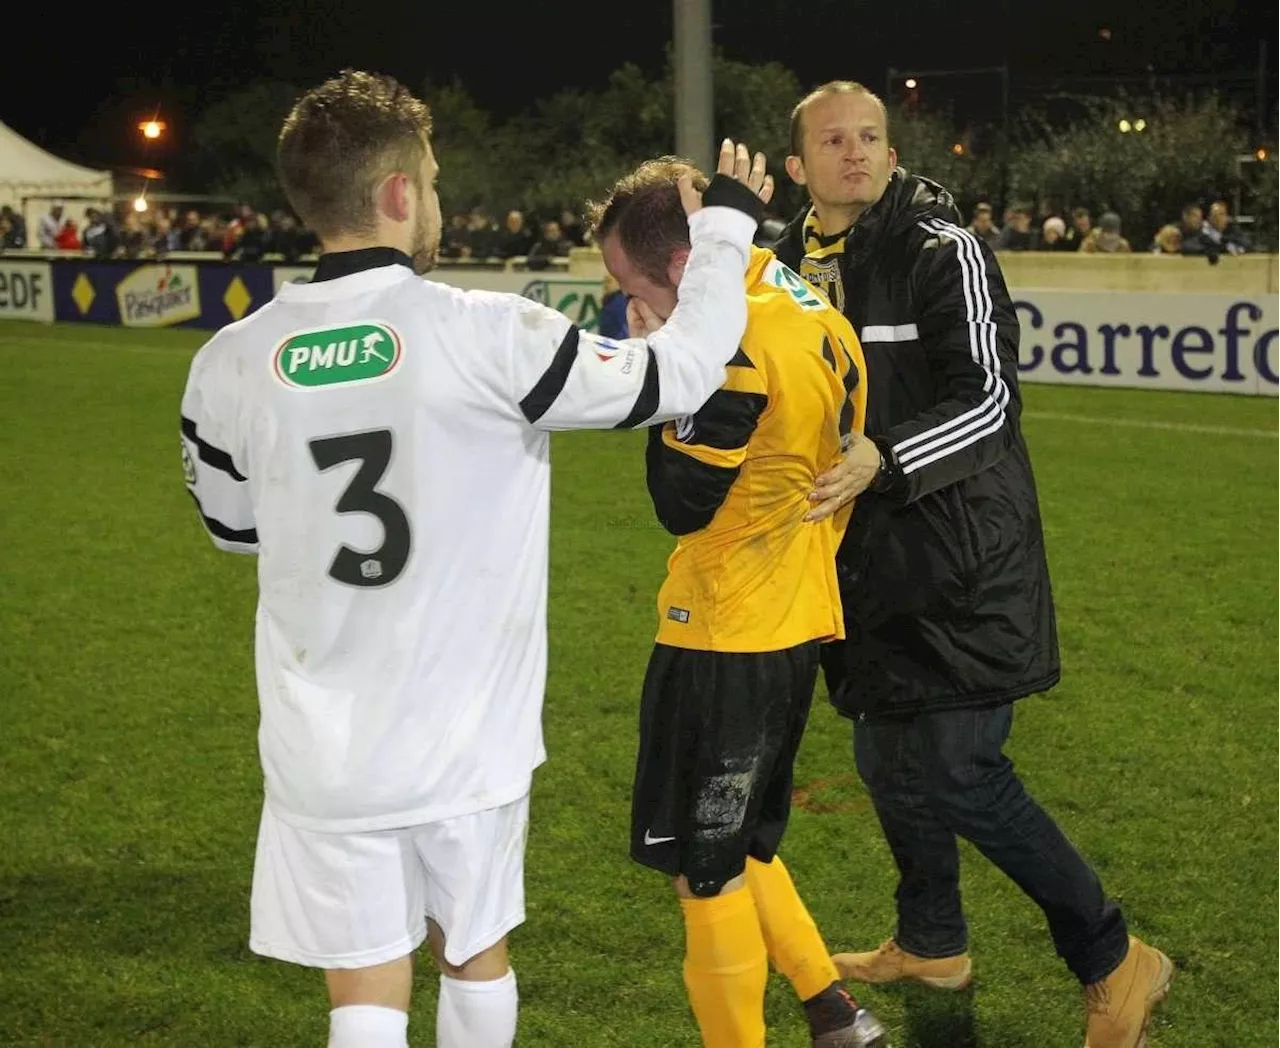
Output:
x=795 y=168
x=675 y=268
x=393 y=195
x=893 y=158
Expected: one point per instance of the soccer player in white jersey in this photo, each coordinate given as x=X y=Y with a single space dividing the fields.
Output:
x=381 y=443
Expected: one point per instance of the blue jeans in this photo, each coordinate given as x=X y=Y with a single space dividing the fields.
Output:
x=939 y=776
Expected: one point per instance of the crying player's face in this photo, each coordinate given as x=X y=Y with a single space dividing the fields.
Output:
x=426 y=233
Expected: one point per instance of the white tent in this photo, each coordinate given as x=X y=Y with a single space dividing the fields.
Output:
x=31 y=179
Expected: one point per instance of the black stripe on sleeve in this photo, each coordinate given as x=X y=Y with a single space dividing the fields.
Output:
x=647 y=399
x=741 y=360
x=215 y=457
x=538 y=400
x=249 y=536
x=829 y=355
x=727 y=420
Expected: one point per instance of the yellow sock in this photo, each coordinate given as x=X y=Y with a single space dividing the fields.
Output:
x=725 y=969
x=794 y=943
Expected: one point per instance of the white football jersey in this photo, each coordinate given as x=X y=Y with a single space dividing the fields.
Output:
x=381 y=442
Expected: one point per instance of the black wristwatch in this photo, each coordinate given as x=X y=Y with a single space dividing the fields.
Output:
x=884 y=475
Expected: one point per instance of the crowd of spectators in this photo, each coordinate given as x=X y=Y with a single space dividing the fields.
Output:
x=476 y=235
x=245 y=235
x=1194 y=234
x=248 y=235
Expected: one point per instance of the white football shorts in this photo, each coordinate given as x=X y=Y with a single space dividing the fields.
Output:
x=353 y=900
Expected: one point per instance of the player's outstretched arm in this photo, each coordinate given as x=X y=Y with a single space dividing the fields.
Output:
x=566 y=378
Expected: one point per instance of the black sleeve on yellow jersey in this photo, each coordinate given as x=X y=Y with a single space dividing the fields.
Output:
x=692 y=462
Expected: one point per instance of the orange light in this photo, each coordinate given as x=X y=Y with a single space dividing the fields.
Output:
x=911 y=84
x=1261 y=153
x=958 y=149
x=152 y=128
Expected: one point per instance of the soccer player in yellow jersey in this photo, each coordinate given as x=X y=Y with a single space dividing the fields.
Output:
x=750 y=595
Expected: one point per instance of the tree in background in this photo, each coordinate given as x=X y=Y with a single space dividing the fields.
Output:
x=234 y=141
x=1183 y=153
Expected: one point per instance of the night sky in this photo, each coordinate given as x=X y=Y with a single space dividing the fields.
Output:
x=77 y=88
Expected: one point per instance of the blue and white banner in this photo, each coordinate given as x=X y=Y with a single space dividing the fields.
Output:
x=1149 y=340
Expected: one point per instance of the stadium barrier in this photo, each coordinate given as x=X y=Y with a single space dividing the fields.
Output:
x=1138 y=321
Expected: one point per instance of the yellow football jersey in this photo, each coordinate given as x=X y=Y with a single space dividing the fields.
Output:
x=748 y=573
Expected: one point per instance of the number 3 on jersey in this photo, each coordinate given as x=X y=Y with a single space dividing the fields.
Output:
x=382 y=566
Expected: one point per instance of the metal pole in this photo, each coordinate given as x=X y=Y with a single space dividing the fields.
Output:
x=1005 y=144
x=695 y=127
x=1262 y=91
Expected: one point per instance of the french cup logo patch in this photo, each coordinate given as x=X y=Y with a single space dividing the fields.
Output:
x=358 y=352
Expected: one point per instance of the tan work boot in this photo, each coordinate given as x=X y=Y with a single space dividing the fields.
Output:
x=1120 y=1005
x=891 y=963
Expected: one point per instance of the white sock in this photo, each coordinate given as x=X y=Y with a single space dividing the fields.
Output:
x=368 y=1026
x=477 y=1014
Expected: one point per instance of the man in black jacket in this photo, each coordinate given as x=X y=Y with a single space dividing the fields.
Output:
x=943 y=575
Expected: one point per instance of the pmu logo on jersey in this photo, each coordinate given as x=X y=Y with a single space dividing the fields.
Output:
x=359 y=352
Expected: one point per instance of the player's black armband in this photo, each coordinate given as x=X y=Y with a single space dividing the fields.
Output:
x=729 y=192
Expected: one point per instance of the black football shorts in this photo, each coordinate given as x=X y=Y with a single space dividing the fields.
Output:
x=719 y=733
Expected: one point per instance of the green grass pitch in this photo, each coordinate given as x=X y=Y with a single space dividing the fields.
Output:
x=130 y=790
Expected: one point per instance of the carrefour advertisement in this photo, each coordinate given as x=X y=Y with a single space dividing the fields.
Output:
x=1143 y=339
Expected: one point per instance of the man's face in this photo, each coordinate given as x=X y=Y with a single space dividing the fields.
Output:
x=845 y=160
x=515 y=221
x=982 y=221
x=1021 y=221
x=1051 y=235
x=426 y=233
x=551 y=232
x=1081 y=222
x=56 y=210
x=1218 y=217
x=1192 y=218
x=633 y=283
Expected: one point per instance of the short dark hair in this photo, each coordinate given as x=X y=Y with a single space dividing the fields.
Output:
x=831 y=87
x=644 y=209
x=1080 y=212
x=1188 y=208
x=341 y=140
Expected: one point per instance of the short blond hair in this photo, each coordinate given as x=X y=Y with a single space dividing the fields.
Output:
x=832 y=87
x=341 y=140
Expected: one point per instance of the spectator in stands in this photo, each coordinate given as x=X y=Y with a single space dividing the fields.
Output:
x=613 y=310
x=482 y=234
x=1105 y=238
x=133 y=238
x=15 y=234
x=189 y=235
x=983 y=225
x=1168 y=241
x=1194 y=240
x=571 y=228
x=1017 y=234
x=1222 y=231
x=68 y=238
x=1052 y=233
x=251 y=243
x=1081 y=224
x=516 y=238
x=100 y=238
x=245 y=220
x=161 y=236
x=551 y=244
x=5 y=229
x=455 y=242
x=288 y=240
x=51 y=225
